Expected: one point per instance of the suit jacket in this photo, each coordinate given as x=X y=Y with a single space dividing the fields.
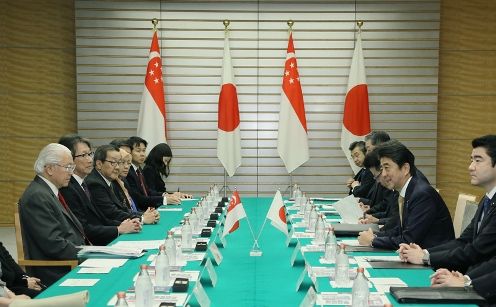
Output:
x=49 y=232
x=426 y=219
x=103 y=198
x=99 y=229
x=13 y=275
x=391 y=217
x=366 y=179
x=472 y=247
x=153 y=180
x=484 y=279
x=154 y=199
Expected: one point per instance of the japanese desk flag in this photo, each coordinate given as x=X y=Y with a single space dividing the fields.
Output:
x=277 y=213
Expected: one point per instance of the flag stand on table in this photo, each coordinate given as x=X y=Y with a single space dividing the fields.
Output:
x=277 y=215
x=356 y=116
x=236 y=212
x=151 y=119
x=228 y=123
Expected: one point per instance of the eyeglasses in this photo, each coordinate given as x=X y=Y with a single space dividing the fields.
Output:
x=113 y=163
x=68 y=168
x=85 y=155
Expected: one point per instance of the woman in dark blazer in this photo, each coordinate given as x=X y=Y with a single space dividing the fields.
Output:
x=157 y=167
x=15 y=278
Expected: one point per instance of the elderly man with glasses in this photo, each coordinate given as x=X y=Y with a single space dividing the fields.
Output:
x=50 y=230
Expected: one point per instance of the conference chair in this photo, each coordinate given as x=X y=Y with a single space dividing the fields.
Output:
x=20 y=249
x=464 y=212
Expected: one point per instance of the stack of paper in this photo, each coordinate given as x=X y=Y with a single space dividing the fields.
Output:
x=110 y=250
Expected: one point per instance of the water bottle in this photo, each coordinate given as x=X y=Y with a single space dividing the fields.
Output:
x=360 y=291
x=170 y=246
x=206 y=214
x=216 y=193
x=320 y=230
x=342 y=266
x=308 y=209
x=295 y=188
x=186 y=235
x=303 y=202
x=121 y=299
x=162 y=269
x=330 y=246
x=144 y=288
x=313 y=219
x=193 y=220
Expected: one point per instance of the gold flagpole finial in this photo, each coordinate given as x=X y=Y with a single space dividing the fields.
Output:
x=360 y=24
x=226 y=23
x=155 y=23
x=290 y=25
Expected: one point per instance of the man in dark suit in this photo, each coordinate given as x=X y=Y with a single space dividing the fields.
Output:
x=107 y=161
x=424 y=217
x=50 y=230
x=143 y=196
x=15 y=278
x=99 y=229
x=477 y=243
x=363 y=181
x=375 y=138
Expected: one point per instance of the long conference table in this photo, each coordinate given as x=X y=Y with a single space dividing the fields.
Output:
x=243 y=280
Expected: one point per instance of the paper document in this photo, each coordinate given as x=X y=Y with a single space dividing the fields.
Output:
x=350 y=242
x=103 y=263
x=150 y=244
x=110 y=250
x=349 y=210
x=170 y=209
x=94 y=270
x=73 y=282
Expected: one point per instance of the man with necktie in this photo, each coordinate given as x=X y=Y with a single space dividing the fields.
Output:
x=99 y=229
x=50 y=230
x=477 y=243
x=139 y=192
x=423 y=215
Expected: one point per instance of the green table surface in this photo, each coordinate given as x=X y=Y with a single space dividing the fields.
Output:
x=243 y=280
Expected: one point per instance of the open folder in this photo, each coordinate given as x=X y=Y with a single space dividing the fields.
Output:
x=352 y=230
x=428 y=295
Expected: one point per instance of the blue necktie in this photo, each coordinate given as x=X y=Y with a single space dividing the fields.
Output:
x=486 y=204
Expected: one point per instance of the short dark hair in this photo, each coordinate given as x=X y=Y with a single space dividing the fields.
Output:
x=397 y=152
x=154 y=158
x=377 y=137
x=101 y=152
x=488 y=142
x=71 y=140
x=372 y=160
x=360 y=144
x=120 y=143
x=136 y=141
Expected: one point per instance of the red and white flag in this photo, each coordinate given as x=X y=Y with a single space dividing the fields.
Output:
x=356 y=118
x=235 y=212
x=292 y=139
x=228 y=136
x=277 y=213
x=151 y=120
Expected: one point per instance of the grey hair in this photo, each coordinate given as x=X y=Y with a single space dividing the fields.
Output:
x=50 y=154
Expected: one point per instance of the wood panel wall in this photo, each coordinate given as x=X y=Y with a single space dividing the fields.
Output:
x=467 y=90
x=37 y=88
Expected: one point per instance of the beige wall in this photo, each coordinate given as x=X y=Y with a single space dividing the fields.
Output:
x=37 y=88
x=467 y=90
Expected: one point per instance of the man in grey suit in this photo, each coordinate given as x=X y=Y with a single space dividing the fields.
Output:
x=50 y=230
